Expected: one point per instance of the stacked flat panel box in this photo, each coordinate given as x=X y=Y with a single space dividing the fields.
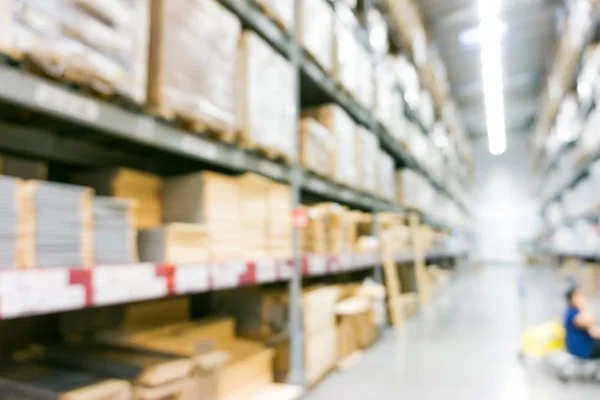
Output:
x=266 y=102
x=279 y=222
x=317 y=34
x=343 y=129
x=102 y=44
x=10 y=215
x=193 y=65
x=153 y=375
x=114 y=231
x=58 y=225
x=34 y=381
x=124 y=183
x=211 y=200
x=317 y=151
x=254 y=192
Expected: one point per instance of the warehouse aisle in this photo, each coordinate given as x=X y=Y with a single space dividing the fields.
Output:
x=463 y=346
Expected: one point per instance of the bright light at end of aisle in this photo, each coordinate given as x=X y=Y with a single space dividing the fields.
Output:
x=491 y=71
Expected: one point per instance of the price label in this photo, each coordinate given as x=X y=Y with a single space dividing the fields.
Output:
x=271 y=169
x=61 y=101
x=192 y=279
x=199 y=147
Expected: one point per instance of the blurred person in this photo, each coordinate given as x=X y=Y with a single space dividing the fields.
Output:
x=582 y=336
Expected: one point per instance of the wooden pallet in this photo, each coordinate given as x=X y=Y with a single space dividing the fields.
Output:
x=188 y=123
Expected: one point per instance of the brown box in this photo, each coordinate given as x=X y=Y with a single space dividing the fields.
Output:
x=255 y=214
x=193 y=65
x=211 y=200
x=279 y=222
x=126 y=183
x=179 y=244
x=227 y=368
x=317 y=151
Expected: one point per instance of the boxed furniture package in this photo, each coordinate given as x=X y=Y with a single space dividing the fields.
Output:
x=100 y=44
x=317 y=31
x=266 y=101
x=317 y=147
x=11 y=214
x=226 y=367
x=193 y=59
x=58 y=225
x=126 y=183
x=115 y=235
x=211 y=200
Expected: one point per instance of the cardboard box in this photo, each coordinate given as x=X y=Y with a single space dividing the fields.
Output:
x=266 y=101
x=317 y=31
x=279 y=221
x=255 y=215
x=226 y=367
x=126 y=183
x=367 y=152
x=211 y=200
x=178 y=244
x=115 y=234
x=57 y=225
x=317 y=150
x=192 y=71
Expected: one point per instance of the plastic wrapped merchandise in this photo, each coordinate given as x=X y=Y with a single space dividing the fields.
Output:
x=102 y=44
x=267 y=106
x=317 y=151
x=378 y=32
x=387 y=169
x=193 y=61
x=280 y=10
x=386 y=96
x=366 y=154
x=317 y=29
x=365 y=85
x=410 y=188
x=343 y=128
x=409 y=80
x=426 y=109
x=347 y=55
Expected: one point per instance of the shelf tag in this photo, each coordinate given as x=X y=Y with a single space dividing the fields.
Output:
x=192 y=279
x=266 y=271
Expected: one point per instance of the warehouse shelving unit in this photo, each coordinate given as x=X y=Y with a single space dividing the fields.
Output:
x=76 y=128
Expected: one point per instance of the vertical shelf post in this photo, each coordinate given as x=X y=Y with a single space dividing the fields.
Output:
x=296 y=330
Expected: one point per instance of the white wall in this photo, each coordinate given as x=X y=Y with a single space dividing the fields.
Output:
x=506 y=210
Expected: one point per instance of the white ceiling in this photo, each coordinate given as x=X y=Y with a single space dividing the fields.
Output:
x=527 y=52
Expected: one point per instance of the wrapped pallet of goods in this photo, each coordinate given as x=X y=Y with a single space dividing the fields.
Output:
x=100 y=44
x=386 y=175
x=347 y=55
x=152 y=375
x=281 y=11
x=11 y=214
x=343 y=128
x=179 y=244
x=367 y=151
x=389 y=105
x=58 y=225
x=36 y=381
x=317 y=150
x=365 y=87
x=193 y=65
x=211 y=200
x=409 y=188
x=317 y=31
x=262 y=314
x=125 y=183
x=225 y=367
x=115 y=235
x=266 y=102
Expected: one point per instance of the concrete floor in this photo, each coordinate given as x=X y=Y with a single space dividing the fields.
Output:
x=464 y=346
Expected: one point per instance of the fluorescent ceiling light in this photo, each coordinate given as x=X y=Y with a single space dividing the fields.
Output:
x=472 y=37
x=490 y=31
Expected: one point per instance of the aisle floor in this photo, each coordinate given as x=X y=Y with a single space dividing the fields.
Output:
x=464 y=346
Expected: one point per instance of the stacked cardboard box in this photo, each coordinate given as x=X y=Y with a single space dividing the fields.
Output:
x=101 y=44
x=279 y=221
x=58 y=225
x=317 y=151
x=10 y=217
x=211 y=200
x=226 y=367
x=115 y=236
x=266 y=102
x=35 y=381
x=314 y=234
x=262 y=314
x=125 y=183
x=317 y=31
x=387 y=175
x=152 y=374
x=347 y=53
x=255 y=216
x=193 y=66
x=343 y=128
x=356 y=329
x=176 y=243
x=366 y=158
